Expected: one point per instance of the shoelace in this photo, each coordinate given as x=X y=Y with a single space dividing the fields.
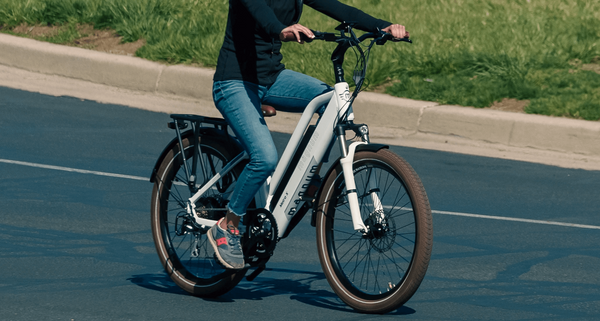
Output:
x=234 y=238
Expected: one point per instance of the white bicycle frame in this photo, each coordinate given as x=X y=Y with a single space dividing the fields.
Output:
x=290 y=199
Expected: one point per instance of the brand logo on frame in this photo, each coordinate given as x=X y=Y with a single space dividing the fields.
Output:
x=345 y=96
x=283 y=200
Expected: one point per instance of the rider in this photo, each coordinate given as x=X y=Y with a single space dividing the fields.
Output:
x=250 y=73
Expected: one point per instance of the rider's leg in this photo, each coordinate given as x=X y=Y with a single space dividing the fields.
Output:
x=292 y=91
x=240 y=104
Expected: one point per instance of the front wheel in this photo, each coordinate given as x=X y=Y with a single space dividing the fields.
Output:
x=379 y=270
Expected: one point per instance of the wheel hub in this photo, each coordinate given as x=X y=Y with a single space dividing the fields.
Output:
x=210 y=208
x=378 y=230
x=382 y=231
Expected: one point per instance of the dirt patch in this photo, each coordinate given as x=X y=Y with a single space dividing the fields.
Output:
x=511 y=104
x=37 y=31
x=592 y=67
x=105 y=40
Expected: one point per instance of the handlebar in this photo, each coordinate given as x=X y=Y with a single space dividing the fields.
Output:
x=380 y=37
x=346 y=40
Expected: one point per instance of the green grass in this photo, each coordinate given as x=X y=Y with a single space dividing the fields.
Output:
x=469 y=53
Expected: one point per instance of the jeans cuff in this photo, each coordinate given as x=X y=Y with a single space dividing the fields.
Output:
x=232 y=211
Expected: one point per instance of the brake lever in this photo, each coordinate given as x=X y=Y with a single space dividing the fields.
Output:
x=405 y=39
x=305 y=38
x=326 y=36
x=389 y=37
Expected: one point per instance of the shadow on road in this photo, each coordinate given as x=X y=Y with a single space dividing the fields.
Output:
x=299 y=289
x=156 y=282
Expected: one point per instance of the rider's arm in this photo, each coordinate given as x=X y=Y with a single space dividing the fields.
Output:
x=264 y=16
x=342 y=12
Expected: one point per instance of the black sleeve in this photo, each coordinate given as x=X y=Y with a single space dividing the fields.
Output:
x=342 y=12
x=264 y=16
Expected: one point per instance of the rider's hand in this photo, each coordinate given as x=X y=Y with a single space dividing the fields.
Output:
x=398 y=31
x=292 y=33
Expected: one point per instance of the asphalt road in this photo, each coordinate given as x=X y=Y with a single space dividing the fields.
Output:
x=75 y=244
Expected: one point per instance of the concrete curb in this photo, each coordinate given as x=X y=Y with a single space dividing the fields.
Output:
x=397 y=117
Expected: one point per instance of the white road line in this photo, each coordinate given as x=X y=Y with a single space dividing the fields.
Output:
x=74 y=170
x=489 y=217
x=514 y=219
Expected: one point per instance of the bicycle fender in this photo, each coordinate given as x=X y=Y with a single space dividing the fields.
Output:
x=371 y=147
x=204 y=132
x=359 y=148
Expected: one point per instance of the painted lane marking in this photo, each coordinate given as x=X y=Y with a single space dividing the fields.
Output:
x=489 y=217
x=514 y=219
x=74 y=170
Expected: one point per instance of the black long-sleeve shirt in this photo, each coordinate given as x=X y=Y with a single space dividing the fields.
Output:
x=251 y=49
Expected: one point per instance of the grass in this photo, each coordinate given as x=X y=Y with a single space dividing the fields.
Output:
x=469 y=53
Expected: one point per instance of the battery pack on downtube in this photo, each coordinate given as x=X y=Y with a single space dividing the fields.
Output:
x=288 y=200
x=302 y=170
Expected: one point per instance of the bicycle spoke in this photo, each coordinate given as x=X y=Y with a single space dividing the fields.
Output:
x=366 y=266
x=375 y=263
x=376 y=285
x=350 y=248
x=191 y=248
x=176 y=195
x=393 y=260
x=356 y=262
x=404 y=248
x=409 y=224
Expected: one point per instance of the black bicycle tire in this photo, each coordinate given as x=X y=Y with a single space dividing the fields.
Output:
x=405 y=288
x=209 y=287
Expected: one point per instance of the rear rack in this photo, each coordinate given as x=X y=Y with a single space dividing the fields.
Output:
x=179 y=120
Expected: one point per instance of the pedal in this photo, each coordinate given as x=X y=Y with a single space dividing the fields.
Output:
x=256 y=272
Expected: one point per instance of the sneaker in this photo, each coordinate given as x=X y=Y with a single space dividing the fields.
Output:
x=226 y=243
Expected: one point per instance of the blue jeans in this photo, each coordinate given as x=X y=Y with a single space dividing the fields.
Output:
x=240 y=104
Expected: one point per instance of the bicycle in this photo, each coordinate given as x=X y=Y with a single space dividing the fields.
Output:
x=370 y=209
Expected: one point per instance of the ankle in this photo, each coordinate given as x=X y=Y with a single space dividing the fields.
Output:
x=223 y=224
x=231 y=219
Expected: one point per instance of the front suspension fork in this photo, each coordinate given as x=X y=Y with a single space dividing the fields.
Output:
x=346 y=161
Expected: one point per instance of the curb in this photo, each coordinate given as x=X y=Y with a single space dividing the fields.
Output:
x=397 y=117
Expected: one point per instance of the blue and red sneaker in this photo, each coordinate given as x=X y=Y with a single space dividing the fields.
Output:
x=227 y=245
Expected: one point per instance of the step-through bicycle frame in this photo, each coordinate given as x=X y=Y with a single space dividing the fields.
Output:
x=284 y=192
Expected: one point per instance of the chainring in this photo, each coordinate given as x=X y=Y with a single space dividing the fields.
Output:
x=261 y=236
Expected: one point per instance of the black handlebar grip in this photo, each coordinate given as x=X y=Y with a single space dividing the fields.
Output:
x=305 y=38
x=406 y=39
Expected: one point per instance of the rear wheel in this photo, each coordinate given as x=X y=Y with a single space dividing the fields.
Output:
x=377 y=271
x=182 y=245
